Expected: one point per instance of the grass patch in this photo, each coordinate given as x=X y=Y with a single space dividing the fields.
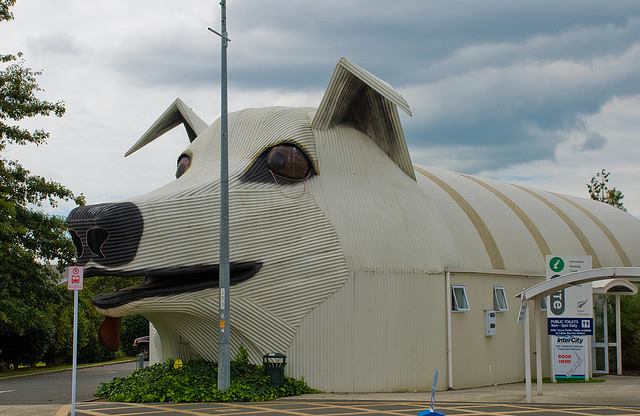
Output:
x=196 y=381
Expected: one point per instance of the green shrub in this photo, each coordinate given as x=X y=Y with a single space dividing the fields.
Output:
x=132 y=327
x=197 y=381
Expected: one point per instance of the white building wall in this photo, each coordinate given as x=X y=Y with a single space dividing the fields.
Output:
x=379 y=333
x=480 y=360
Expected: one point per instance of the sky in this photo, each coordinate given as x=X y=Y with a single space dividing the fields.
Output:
x=542 y=94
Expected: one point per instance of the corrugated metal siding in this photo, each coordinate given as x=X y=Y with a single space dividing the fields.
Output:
x=352 y=286
x=625 y=228
x=381 y=332
x=322 y=350
x=178 y=112
x=523 y=222
x=622 y=254
x=469 y=247
x=399 y=336
x=606 y=252
x=535 y=233
x=577 y=231
x=355 y=96
x=378 y=333
x=384 y=222
x=280 y=226
x=556 y=233
x=488 y=240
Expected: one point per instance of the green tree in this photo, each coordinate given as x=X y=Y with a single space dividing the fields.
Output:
x=33 y=244
x=133 y=326
x=599 y=190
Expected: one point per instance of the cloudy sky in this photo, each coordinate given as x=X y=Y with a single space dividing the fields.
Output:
x=540 y=93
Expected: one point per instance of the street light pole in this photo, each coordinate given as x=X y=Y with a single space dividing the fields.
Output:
x=224 y=299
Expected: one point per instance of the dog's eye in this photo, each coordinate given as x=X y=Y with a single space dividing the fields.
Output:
x=284 y=164
x=184 y=162
x=289 y=162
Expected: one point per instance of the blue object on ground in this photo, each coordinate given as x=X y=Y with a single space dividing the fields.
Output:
x=431 y=411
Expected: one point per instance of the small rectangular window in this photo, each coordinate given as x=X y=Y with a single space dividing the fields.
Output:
x=459 y=301
x=500 y=299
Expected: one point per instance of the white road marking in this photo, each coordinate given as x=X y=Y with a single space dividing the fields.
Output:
x=6 y=391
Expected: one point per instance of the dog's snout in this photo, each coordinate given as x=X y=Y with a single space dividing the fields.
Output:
x=96 y=237
x=77 y=243
x=108 y=234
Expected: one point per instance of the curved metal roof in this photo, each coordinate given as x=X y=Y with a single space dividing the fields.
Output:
x=499 y=226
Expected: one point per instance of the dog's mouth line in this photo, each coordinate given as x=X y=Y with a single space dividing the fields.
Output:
x=173 y=281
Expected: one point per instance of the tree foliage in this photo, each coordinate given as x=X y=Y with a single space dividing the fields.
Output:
x=630 y=332
x=5 y=9
x=599 y=190
x=132 y=327
x=33 y=244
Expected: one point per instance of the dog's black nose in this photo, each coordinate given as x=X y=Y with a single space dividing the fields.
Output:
x=108 y=234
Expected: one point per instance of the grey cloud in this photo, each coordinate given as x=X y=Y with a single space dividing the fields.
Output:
x=580 y=44
x=497 y=81
x=501 y=107
x=481 y=157
x=53 y=44
x=593 y=141
x=291 y=44
x=480 y=146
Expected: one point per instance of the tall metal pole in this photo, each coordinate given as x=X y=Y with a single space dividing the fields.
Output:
x=225 y=317
x=74 y=371
x=527 y=354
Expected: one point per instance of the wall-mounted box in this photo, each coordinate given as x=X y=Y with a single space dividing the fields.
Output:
x=489 y=323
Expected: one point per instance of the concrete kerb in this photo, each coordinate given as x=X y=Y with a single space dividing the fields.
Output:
x=34 y=410
x=616 y=390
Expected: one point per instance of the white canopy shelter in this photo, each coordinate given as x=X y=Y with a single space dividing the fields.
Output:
x=608 y=278
x=614 y=286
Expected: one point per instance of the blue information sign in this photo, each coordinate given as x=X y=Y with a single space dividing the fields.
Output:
x=565 y=327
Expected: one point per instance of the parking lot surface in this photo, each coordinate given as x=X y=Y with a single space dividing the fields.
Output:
x=343 y=408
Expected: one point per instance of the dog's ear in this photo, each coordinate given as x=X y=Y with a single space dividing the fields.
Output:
x=369 y=104
x=177 y=113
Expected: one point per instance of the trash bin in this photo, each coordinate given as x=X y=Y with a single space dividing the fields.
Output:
x=273 y=364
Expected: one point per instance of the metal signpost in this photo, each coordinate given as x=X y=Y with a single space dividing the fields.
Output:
x=569 y=319
x=75 y=278
x=225 y=318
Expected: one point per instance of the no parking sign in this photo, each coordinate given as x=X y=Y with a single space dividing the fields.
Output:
x=75 y=277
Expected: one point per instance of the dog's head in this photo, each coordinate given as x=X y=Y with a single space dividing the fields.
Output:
x=287 y=170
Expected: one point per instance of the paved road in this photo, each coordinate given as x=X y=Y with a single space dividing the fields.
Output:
x=55 y=388
x=341 y=408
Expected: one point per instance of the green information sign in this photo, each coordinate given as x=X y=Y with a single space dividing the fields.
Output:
x=556 y=264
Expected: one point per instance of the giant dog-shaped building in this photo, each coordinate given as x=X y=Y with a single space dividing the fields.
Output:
x=341 y=249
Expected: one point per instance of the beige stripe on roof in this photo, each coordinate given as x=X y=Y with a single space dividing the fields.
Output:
x=483 y=231
x=526 y=220
x=612 y=239
x=584 y=242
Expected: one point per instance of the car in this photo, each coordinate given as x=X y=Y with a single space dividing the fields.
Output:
x=142 y=344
